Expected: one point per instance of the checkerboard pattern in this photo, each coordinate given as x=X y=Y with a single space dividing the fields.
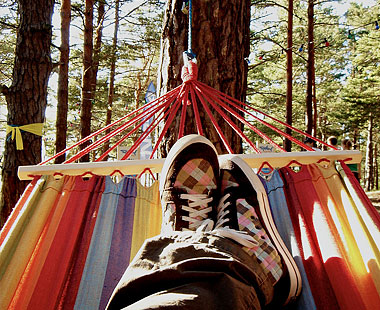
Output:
x=265 y=252
x=248 y=221
x=196 y=177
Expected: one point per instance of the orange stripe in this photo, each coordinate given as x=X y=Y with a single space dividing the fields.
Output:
x=29 y=279
x=20 y=204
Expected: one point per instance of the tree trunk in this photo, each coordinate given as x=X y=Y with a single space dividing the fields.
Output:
x=355 y=139
x=96 y=55
x=97 y=46
x=315 y=106
x=289 y=77
x=369 y=156
x=220 y=38
x=63 y=81
x=111 y=90
x=87 y=76
x=376 y=168
x=310 y=67
x=27 y=96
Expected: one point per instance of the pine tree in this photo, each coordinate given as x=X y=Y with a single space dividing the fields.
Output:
x=87 y=79
x=26 y=97
x=220 y=38
x=63 y=81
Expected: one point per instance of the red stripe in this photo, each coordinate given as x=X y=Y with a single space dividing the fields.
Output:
x=60 y=255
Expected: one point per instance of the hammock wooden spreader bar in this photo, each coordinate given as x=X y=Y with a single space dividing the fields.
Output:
x=133 y=167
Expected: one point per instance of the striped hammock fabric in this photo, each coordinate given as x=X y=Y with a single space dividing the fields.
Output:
x=68 y=241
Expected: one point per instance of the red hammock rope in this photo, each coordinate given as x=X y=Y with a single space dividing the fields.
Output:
x=190 y=93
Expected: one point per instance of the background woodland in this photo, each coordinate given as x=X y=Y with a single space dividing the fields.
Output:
x=105 y=53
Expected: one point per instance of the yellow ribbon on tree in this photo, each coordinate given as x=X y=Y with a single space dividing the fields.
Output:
x=16 y=131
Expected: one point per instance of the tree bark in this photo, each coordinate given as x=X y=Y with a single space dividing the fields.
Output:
x=315 y=106
x=369 y=156
x=111 y=89
x=289 y=77
x=98 y=45
x=27 y=96
x=310 y=67
x=63 y=81
x=87 y=97
x=96 y=55
x=376 y=168
x=220 y=38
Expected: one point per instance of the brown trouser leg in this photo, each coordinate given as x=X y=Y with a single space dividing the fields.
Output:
x=192 y=270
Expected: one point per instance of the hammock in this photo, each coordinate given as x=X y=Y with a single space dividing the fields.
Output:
x=73 y=238
x=69 y=240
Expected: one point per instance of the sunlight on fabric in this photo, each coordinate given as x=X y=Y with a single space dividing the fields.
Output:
x=337 y=223
x=307 y=253
x=364 y=217
x=328 y=249
x=361 y=239
x=294 y=246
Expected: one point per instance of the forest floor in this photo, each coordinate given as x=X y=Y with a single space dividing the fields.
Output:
x=375 y=198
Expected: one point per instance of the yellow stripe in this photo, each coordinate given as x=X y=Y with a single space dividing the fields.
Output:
x=147 y=217
x=24 y=245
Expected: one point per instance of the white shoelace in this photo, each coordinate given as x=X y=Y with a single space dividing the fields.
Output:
x=241 y=237
x=197 y=217
x=222 y=212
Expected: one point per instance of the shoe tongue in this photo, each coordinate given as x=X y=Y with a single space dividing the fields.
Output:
x=232 y=211
x=228 y=182
x=229 y=185
x=232 y=215
x=196 y=177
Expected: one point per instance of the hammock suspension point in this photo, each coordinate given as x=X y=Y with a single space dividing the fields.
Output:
x=190 y=93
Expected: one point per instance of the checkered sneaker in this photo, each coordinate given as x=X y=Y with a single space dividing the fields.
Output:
x=265 y=251
x=188 y=184
x=244 y=207
x=243 y=217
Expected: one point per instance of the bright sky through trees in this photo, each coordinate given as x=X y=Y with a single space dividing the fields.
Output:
x=340 y=7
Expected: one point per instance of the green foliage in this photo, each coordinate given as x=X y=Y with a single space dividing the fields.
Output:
x=137 y=56
x=361 y=92
x=347 y=70
x=8 y=27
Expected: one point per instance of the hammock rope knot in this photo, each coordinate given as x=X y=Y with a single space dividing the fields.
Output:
x=189 y=72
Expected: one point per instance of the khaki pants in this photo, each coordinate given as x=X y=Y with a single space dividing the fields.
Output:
x=192 y=270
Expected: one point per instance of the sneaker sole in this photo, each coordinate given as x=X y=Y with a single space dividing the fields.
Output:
x=294 y=274
x=180 y=145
